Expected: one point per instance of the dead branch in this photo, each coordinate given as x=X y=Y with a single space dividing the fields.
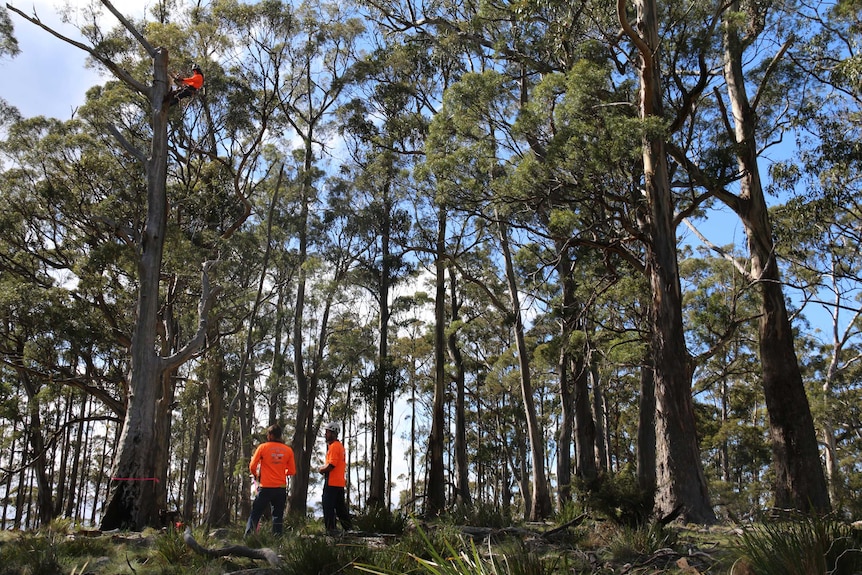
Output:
x=573 y=523
x=266 y=553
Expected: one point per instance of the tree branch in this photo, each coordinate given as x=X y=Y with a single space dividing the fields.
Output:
x=208 y=297
x=140 y=156
x=116 y=70
x=739 y=267
x=132 y=30
x=773 y=64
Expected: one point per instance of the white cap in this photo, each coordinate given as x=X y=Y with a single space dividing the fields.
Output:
x=333 y=427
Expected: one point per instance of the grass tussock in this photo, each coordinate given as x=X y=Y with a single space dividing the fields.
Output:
x=441 y=555
x=803 y=546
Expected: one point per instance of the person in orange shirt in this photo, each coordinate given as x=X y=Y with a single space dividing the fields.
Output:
x=333 y=472
x=189 y=86
x=271 y=465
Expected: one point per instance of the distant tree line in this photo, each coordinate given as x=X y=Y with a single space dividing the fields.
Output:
x=493 y=218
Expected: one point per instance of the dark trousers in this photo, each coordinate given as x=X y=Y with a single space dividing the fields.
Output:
x=184 y=92
x=276 y=497
x=334 y=505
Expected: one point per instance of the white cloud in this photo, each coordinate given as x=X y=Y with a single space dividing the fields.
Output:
x=49 y=77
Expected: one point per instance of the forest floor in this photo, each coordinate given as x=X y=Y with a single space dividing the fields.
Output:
x=580 y=547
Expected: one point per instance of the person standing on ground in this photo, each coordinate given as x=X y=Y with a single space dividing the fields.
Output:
x=271 y=465
x=334 y=503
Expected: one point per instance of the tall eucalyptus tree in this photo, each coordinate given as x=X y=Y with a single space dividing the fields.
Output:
x=799 y=482
x=681 y=485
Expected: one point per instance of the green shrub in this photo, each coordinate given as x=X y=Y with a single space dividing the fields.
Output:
x=619 y=498
x=481 y=515
x=460 y=557
x=30 y=554
x=171 y=549
x=318 y=556
x=635 y=542
x=569 y=511
x=515 y=558
x=380 y=520
x=807 y=545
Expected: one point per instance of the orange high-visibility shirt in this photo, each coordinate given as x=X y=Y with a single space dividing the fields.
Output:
x=271 y=463
x=196 y=80
x=335 y=457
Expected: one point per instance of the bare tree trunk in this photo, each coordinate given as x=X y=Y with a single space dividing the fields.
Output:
x=567 y=397
x=44 y=501
x=78 y=478
x=188 y=506
x=460 y=443
x=64 y=499
x=646 y=447
x=435 y=491
x=540 y=507
x=680 y=478
x=215 y=497
x=378 y=488
x=603 y=434
x=799 y=480
x=306 y=393
x=585 y=426
x=133 y=502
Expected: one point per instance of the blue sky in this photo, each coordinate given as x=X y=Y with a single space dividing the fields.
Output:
x=49 y=77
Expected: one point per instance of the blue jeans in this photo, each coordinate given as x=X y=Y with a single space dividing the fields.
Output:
x=276 y=497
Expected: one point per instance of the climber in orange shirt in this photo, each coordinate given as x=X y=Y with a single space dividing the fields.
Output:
x=189 y=86
x=271 y=465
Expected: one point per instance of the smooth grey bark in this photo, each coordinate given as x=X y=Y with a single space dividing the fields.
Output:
x=540 y=507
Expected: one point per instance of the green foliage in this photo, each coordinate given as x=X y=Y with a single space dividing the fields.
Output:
x=420 y=542
x=380 y=520
x=805 y=546
x=31 y=554
x=170 y=549
x=304 y=555
x=460 y=557
x=482 y=514
x=641 y=541
x=84 y=547
x=516 y=558
x=569 y=511
x=619 y=498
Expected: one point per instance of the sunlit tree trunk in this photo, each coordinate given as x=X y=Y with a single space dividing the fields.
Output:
x=680 y=481
x=540 y=507
x=799 y=479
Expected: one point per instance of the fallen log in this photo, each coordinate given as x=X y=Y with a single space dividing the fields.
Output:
x=266 y=553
